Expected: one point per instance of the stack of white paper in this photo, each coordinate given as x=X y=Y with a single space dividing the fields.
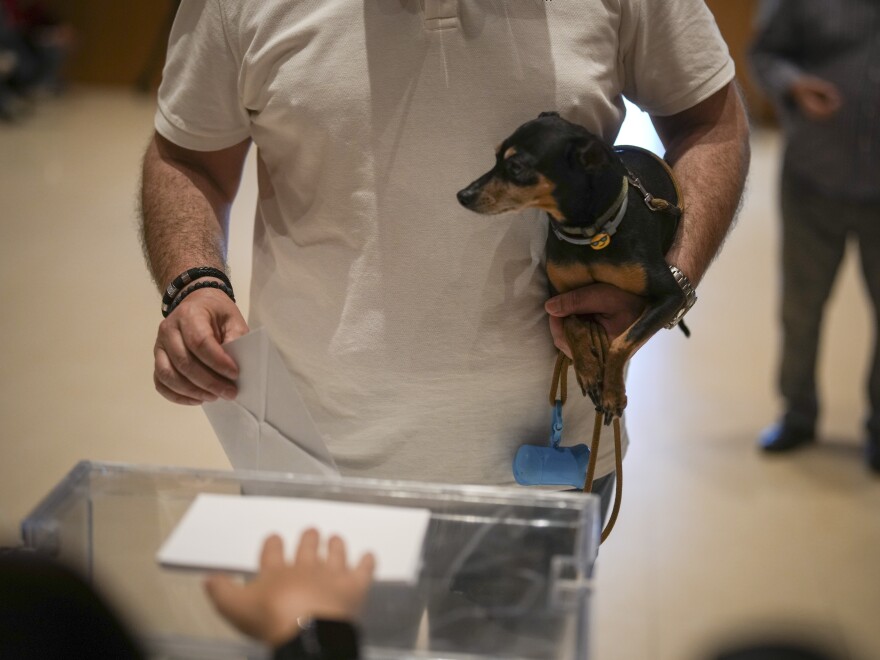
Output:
x=226 y=532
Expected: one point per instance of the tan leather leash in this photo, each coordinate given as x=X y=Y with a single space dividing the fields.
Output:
x=559 y=385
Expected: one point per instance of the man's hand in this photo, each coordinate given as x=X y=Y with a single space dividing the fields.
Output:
x=269 y=607
x=613 y=308
x=186 y=197
x=817 y=99
x=191 y=366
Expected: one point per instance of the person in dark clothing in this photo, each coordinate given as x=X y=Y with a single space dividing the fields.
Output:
x=33 y=48
x=47 y=611
x=15 y=62
x=819 y=61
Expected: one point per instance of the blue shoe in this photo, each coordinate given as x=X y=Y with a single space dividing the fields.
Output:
x=783 y=437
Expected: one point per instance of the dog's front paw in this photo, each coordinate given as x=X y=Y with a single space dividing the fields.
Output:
x=587 y=358
x=612 y=407
x=589 y=377
x=613 y=396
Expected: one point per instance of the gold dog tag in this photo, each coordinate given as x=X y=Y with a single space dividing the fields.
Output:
x=600 y=241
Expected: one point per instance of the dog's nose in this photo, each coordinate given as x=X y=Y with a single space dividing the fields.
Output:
x=467 y=196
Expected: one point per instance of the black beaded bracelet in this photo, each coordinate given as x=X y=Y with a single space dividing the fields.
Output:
x=190 y=276
x=195 y=287
x=185 y=278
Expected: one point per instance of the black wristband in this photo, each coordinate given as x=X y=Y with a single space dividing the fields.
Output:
x=185 y=278
x=195 y=287
x=322 y=640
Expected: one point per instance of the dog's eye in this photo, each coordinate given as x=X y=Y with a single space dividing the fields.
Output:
x=514 y=167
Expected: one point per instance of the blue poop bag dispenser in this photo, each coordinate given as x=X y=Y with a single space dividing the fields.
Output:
x=552 y=465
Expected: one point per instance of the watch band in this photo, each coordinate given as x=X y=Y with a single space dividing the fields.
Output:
x=321 y=639
x=690 y=296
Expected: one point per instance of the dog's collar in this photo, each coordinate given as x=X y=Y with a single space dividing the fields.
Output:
x=601 y=237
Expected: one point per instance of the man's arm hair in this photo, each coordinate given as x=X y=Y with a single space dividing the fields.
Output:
x=185 y=201
x=708 y=148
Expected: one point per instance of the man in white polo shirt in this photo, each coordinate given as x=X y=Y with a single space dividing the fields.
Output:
x=417 y=330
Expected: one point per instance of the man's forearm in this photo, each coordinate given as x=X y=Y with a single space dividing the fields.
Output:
x=184 y=210
x=709 y=152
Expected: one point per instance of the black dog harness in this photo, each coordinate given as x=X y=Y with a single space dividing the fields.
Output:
x=635 y=159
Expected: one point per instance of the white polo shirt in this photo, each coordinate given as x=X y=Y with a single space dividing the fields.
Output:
x=416 y=328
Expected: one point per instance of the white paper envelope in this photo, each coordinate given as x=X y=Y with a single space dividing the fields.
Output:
x=268 y=426
x=226 y=532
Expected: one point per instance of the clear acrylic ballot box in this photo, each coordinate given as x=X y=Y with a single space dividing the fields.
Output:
x=505 y=572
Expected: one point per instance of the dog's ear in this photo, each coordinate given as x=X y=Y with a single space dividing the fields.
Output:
x=588 y=152
x=548 y=114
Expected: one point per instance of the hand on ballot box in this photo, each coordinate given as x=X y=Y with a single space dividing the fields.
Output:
x=285 y=597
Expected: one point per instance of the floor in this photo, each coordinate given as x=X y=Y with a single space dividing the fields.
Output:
x=716 y=543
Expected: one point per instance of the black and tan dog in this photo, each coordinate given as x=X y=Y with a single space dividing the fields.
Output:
x=604 y=227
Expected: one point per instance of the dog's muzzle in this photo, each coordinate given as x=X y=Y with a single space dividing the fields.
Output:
x=468 y=196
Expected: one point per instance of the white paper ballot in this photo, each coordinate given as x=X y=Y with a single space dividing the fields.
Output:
x=226 y=532
x=268 y=426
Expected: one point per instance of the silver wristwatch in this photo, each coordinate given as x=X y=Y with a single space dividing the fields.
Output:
x=690 y=296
